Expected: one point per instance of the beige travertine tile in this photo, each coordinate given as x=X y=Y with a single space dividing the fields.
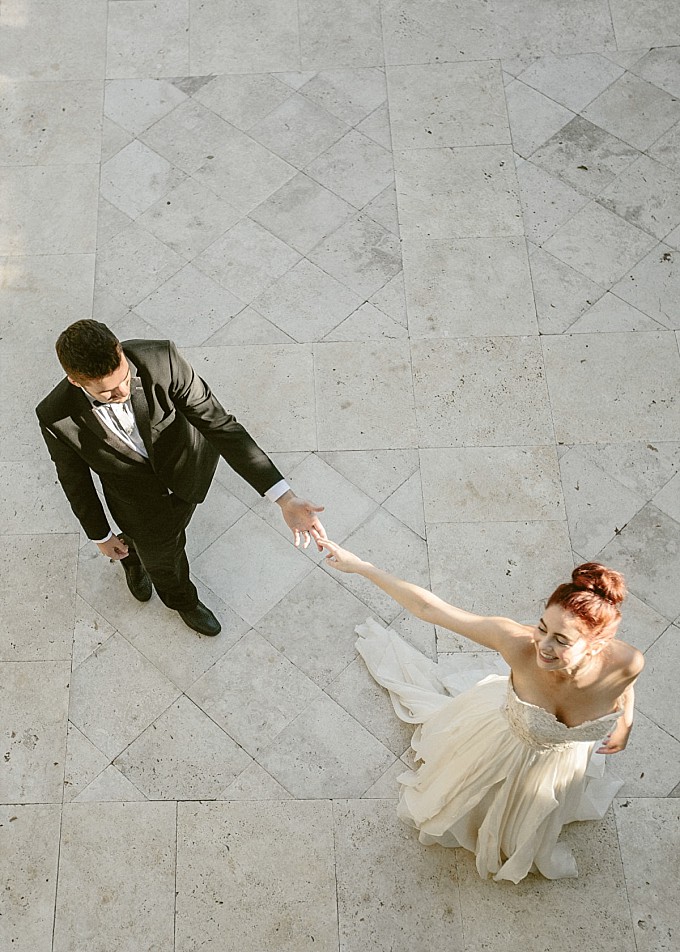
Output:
x=378 y=472
x=655 y=24
x=611 y=315
x=599 y=244
x=458 y=193
x=254 y=783
x=561 y=293
x=574 y=80
x=243 y=100
x=41 y=295
x=533 y=117
x=136 y=104
x=660 y=67
x=292 y=302
x=350 y=94
x=406 y=503
x=647 y=195
x=110 y=786
x=393 y=893
x=356 y=168
x=472 y=287
x=646 y=551
x=253 y=692
x=84 y=762
x=116 y=877
x=183 y=755
x=597 y=505
x=364 y=396
x=134 y=263
x=302 y=212
x=258 y=37
x=477 y=484
x=188 y=218
x=180 y=653
x=33 y=714
x=650 y=763
x=643 y=466
x=251 y=567
x=298 y=130
x=69 y=191
x=648 y=833
x=447 y=104
x=29 y=855
x=38 y=628
x=361 y=254
x=333 y=35
x=211 y=307
x=419 y=31
x=547 y=201
x=367 y=323
x=256 y=874
x=101 y=691
x=481 y=392
x=56 y=123
x=655 y=690
x=362 y=697
x=652 y=285
x=147 y=41
x=53 y=39
x=583 y=372
x=346 y=506
x=325 y=753
x=634 y=110
x=524 y=27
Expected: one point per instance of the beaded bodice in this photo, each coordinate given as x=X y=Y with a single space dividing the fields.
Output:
x=541 y=730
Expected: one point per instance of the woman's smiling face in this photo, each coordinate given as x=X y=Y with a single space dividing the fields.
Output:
x=559 y=642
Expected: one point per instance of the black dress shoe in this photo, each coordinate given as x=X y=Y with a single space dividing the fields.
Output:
x=202 y=620
x=138 y=582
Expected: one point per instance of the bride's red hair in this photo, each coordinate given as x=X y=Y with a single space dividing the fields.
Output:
x=593 y=597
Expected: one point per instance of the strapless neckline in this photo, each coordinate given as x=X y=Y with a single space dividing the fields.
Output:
x=616 y=712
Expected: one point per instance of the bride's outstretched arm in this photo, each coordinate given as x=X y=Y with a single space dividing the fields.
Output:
x=486 y=630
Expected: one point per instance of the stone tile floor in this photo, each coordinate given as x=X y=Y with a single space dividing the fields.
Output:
x=430 y=254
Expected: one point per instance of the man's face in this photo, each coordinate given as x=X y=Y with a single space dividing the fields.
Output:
x=112 y=389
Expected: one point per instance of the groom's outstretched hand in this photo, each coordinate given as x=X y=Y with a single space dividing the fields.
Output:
x=301 y=517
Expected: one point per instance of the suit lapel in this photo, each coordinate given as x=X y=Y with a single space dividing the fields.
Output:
x=87 y=414
x=90 y=419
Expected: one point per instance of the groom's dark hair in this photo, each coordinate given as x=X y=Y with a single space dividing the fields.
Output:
x=88 y=350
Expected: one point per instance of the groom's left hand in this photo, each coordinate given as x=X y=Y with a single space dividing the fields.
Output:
x=300 y=516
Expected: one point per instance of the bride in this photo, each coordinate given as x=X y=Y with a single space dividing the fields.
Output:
x=506 y=761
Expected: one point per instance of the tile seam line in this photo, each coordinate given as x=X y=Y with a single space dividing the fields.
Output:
x=56 y=875
x=625 y=880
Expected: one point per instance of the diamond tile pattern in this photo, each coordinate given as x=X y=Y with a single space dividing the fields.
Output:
x=473 y=365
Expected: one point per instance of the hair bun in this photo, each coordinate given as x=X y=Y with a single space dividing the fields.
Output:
x=600 y=580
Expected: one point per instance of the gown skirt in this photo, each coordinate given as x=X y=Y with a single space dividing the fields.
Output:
x=496 y=775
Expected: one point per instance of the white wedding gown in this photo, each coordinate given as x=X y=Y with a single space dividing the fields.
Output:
x=497 y=775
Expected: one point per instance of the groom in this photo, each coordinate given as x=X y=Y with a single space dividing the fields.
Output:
x=141 y=418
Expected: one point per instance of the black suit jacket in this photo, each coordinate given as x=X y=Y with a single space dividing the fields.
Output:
x=183 y=426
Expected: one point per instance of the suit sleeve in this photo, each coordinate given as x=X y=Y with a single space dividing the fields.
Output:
x=193 y=397
x=76 y=480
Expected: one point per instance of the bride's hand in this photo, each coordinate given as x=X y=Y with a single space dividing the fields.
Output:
x=341 y=559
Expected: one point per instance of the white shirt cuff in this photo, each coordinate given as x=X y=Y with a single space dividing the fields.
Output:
x=277 y=490
x=99 y=541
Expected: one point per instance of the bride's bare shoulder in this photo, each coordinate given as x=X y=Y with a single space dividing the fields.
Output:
x=626 y=660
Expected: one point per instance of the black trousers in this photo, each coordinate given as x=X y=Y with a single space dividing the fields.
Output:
x=155 y=533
